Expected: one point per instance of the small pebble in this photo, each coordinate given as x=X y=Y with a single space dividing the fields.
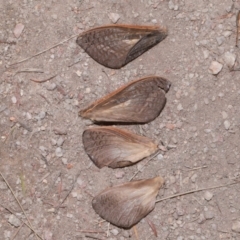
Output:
x=179 y=107
x=209 y=215
x=171 y=5
x=226 y=124
x=14 y=221
x=18 y=30
x=119 y=174
x=14 y=100
x=51 y=86
x=236 y=226
x=58 y=152
x=60 y=141
x=208 y=195
x=115 y=232
x=229 y=59
x=114 y=17
x=194 y=177
x=64 y=161
x=88 y=90
x=41 y=115
x=215 y=67
x=224 y=115
x=220 y=40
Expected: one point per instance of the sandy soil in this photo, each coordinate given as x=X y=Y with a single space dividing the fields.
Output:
x=41 y=151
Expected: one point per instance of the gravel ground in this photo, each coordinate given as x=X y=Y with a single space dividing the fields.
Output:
x=41 y=151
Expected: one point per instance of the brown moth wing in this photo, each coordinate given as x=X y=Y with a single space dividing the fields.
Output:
x=140 y=101
x=126 y=204
x=113 y=147
x=116 y=45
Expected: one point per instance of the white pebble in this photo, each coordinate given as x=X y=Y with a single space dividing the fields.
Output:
x=179 y=107
x=208 y=195
x=114 y=17
x=14 y=100
x=114 y=232
x=229 y=59
x=226 y=124
x=58 y=152
x=64 y=161
x=215 y=67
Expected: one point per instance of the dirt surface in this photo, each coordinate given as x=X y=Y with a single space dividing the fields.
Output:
x=41 y=151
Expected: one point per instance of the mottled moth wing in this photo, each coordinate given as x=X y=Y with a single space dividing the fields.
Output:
x=114 y=46
x=126 y=204
x=140 y=101
x=113 y=147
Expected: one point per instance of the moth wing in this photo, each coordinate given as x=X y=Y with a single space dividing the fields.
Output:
x=114 y=46
x=126 y=204
x=107 y=148
x=140 y=102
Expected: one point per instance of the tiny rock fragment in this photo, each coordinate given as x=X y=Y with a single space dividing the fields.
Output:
x=224 y=115
x=18 y=30
x=140 y=101
x=114 y=46
x=126 y=204
x=229 y=58
x=14 y=100
x=14 y=221
x=114 y=147
x=114 y=17
x=208 y=195
x=179 y=107
x=215 y=67
x=226 y=124
x=236 y=226
x=209 y=215
x=58 y=152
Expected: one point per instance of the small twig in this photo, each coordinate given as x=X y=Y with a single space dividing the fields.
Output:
x=193 y=169
x=41 y=95
x=135 y=232
x=36 y=70
x=8 y=42
x=5 y=180
x=197 y=190
x=108 y=233
x=238 y=25
x=15 y=234
x=135 y=174
x=43 y=80
x=70 y=190
x=91 y=231
x=21 y=220
x=55 y=179
x=39 y=53
x=93 y=237
x=105 y=74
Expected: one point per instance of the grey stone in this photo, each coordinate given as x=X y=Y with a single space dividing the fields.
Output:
x=14 y=221
x=209 y=215
x=60 y=141
x=58 y=152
